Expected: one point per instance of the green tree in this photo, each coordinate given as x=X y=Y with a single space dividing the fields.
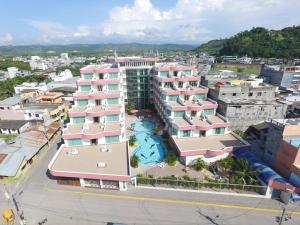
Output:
x=132 y=140
x=134 y=161
x=243 y=173
x=199 y=165
x=241 y=133
x=171 y=159
x=128 y=107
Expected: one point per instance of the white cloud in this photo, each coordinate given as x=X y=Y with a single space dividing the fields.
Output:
x=187 y=21
x=6 y=39
x=197 y=20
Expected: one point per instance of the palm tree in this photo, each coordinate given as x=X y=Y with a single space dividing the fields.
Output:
x=243 y=171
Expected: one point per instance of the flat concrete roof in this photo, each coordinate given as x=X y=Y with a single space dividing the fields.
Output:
x=200 y=122
x=73 y=129
x=213 y=142
x=116 y=161
x=215 y=119
x=181 y=121
x=78 y=108
x=111 y=126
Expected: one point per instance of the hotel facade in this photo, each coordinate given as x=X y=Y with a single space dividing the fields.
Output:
x=95 y=152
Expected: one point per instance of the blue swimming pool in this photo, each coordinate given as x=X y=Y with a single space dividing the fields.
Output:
x=151 y=149
x=295 y=142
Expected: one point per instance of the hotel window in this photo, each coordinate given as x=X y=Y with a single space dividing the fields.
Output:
x=113 y=87
x=78 y=120
x=250 y=94
x=173 y=98
x=174 y=131
x=220 y=130
x=186 y=133
x=179 y=113
x=180 y=84
x=111 y=139
x=164 y=73
x=112 y=118
x=193 y=83
x=82 y=102
x=209 y=111
x=112 y=101
x=113 y=75
x=200 y=96
x=187 y=72
x=85 y=87
x=74 y=142
x=87 y=76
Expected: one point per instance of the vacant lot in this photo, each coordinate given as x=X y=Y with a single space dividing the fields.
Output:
x=238 y=68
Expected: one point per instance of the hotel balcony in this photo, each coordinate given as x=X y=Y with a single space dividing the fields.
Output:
x=93 y=130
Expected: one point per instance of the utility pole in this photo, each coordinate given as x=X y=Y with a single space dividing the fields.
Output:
x=283 y=217
x=14 y=203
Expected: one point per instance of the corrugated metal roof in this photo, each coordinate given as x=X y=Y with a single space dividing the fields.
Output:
x=27 y=145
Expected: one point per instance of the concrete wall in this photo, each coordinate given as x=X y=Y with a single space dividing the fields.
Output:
x=243 y=92
x=241 y=116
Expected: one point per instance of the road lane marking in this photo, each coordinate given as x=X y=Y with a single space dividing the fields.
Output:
x=180 y=202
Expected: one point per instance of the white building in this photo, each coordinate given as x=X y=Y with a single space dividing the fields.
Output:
x=12 y=72
x=37 y=65
x=62 y=76
x=30 y=87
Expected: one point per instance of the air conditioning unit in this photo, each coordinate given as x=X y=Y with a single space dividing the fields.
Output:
x=74 y=152
x=101 y=164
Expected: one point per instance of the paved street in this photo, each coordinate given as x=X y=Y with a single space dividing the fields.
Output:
x=45 y=202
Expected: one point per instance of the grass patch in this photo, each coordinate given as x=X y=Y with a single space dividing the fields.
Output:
x=13 y=179
x=238 y=68
x=8 y=137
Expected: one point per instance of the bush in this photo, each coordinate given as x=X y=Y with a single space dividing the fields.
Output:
x=132 y=140
x=199 y=165
x=134 y=161
x=171 y=159
x=155 y=130
x=241 y=133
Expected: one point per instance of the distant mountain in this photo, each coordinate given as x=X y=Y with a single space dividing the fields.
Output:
x=258 y=42
x=91 y=48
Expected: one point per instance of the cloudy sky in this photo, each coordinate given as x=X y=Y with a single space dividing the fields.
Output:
x=144 y=21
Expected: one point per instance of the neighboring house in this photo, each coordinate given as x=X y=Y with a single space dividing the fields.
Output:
x=16 y=157
x=25 y=87
x=61 y=76
x=285 y=77
x=247 y=102
x=14 y=109
x=12 y=72
x=278 y=130
x=50 y=97
x=13 y=126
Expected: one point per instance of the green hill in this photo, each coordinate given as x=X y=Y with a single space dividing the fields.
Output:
x=130 y=48
x=258 y=42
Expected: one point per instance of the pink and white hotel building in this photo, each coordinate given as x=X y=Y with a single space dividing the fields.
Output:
x=95 y=151
x=196 y=130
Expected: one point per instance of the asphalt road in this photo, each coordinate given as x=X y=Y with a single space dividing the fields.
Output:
x=45 y=202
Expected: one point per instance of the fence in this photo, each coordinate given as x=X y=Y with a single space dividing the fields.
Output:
x=208 y=186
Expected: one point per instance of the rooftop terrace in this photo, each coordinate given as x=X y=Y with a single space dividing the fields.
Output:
x=85 y=159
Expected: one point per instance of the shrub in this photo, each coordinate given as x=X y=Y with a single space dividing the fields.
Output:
x=132 y=140
x=155 y=130
x=241 y=133
x=134 y=161
x=199 y=165
x=171 y=159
